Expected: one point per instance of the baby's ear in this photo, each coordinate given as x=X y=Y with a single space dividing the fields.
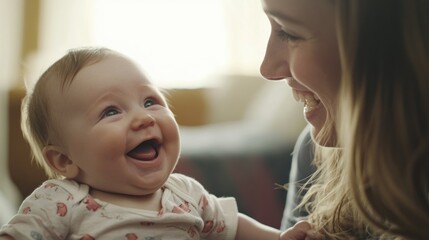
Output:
x=60 y=162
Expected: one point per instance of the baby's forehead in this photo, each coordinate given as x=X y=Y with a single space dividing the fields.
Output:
x=116 y=56
x=112 y=66
x=112 y=71
x=113 y=63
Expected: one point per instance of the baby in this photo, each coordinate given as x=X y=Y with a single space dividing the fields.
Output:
x=107 y=139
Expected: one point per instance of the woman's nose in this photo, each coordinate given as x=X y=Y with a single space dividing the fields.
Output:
x=275 y=65
x=142 y=121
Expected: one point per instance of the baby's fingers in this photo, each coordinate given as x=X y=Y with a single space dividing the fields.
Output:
x=314 y=235
x=301 y=231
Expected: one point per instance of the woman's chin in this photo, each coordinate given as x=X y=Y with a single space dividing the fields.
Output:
x=321 y=133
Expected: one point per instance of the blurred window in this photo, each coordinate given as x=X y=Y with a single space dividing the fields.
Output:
x=180 y=43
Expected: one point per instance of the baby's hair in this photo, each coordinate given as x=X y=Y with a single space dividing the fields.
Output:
x=36 y=119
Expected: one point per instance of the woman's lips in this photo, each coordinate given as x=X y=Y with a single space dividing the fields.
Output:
x=311 y=101
x=302 y=94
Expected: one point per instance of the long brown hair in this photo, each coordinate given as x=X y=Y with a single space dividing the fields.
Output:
x=385 y=107
x=376 y=185
x=385 y=112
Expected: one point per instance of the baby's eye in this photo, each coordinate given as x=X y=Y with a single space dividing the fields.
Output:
x=284 y=36
x=149 y=102
x=109 y=112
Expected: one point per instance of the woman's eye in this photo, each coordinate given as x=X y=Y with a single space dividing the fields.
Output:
x=149 y=102
x=284 y=36
x=110 y=112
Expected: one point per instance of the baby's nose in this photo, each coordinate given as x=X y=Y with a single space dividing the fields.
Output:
x=142 y=121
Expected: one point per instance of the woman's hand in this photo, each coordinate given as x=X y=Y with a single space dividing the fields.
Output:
x=301 y=231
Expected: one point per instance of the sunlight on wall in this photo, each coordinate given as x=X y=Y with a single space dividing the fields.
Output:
x=177 y=42
x=10 y=17
x=180 y=44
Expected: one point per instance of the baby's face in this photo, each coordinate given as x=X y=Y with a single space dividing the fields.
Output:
x=117 y=128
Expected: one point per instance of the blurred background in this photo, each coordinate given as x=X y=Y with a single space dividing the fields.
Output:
x=238 y=130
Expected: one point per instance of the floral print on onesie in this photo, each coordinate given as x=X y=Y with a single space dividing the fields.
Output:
x=63 y=209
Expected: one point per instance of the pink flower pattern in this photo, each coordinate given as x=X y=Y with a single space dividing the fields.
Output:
x=182 y=208
x=87 y=237
x=26 y=210
x=131 y=236
x=91 y=204
x=61 y=209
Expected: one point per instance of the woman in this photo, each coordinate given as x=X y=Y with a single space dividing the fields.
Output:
x=361 y=67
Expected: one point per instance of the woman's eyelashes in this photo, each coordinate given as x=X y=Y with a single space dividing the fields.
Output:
x=285 y=36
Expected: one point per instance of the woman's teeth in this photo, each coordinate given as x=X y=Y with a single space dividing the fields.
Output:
x=310 y=100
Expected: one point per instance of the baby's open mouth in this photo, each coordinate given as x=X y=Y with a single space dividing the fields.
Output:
x=145 y=151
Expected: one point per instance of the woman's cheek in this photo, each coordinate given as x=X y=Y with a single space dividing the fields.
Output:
x=305 y=71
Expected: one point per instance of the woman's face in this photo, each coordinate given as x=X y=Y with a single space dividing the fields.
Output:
x=303 y=50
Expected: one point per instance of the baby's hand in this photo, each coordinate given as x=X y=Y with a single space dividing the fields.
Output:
x=301 y=231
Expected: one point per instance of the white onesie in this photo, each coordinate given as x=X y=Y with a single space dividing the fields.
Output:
x=63 y=209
